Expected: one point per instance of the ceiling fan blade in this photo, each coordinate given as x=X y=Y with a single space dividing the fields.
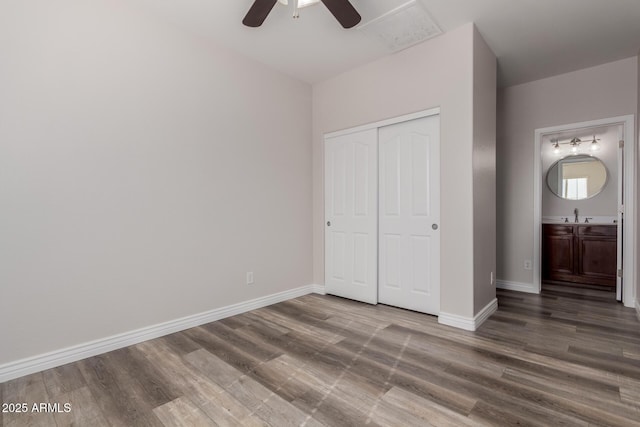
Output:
x=344 y=12
x=258 y=12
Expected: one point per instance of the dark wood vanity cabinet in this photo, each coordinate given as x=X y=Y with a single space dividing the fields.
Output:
x=579 y=253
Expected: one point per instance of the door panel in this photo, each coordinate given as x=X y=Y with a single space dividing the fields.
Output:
x=420 y=178
x=351 y=209
x=338 y=160
x=362 y=180
x=391 y=180
x=420 y=250
x=360 y=258
x=392 y=260
x=337 y=242
x=409 y=275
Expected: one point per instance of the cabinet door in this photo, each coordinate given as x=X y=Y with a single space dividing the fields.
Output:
x=559 y=256
x=558 y=249
x=596 y=248
x=598 y=257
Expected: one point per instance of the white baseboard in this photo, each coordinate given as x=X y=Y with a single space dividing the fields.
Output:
x=319 y=289
x=485 y=313
x=517 y=286
x=469 y=323
x=61 y=357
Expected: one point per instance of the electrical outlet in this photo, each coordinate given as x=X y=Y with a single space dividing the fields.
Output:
x=249 y=277
x=527 y=264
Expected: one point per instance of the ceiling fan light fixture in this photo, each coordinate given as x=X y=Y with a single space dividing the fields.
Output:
x=342 y=10
x=305 y=3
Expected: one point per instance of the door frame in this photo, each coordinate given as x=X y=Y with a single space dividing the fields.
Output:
x=629 y=179
x=368 y=126
x=386 y=122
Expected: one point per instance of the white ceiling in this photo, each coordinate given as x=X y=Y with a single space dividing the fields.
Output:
x=532 y=39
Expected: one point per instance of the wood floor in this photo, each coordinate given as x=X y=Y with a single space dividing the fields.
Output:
x=565 y=357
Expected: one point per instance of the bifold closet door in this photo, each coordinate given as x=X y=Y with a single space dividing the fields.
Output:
x=351 y=216
x=409 y=215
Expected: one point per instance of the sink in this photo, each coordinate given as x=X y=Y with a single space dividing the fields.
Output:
x=595 y=220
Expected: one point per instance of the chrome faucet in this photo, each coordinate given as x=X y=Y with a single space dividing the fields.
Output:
x=575 y=212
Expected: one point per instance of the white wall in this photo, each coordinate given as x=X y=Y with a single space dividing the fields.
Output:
x=484 y=172
x=436 y=73
x=606 y=202
x=142 y=173
x=607 y=90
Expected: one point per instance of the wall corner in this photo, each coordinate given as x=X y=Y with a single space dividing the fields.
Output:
x=484 y=93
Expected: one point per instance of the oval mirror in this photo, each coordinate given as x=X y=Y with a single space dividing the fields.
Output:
x=577 y=177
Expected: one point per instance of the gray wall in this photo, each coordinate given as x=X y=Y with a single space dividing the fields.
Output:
x=484 y=172
x=638 y=169
x=142 y=173
x=607 y=90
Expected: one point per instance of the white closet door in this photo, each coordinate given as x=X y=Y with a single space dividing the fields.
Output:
x=409 y=215
x=351 y=216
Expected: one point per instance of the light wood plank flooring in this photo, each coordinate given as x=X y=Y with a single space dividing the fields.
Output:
x=569 y=356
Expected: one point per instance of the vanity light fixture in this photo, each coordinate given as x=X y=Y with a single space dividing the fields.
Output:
x=574 y=145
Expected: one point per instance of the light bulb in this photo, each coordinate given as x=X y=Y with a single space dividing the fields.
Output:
x=305 y=3
x=574 y=149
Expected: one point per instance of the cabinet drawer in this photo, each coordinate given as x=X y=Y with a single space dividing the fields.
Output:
x=598 y=230
x=558 y=230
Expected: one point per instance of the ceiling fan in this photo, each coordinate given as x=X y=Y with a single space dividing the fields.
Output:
x=342 y=10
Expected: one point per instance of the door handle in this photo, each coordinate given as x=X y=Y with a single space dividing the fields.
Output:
x=328 y=223
x=434 y=226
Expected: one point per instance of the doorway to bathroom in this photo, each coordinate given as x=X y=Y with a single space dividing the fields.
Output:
x=583 y=207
